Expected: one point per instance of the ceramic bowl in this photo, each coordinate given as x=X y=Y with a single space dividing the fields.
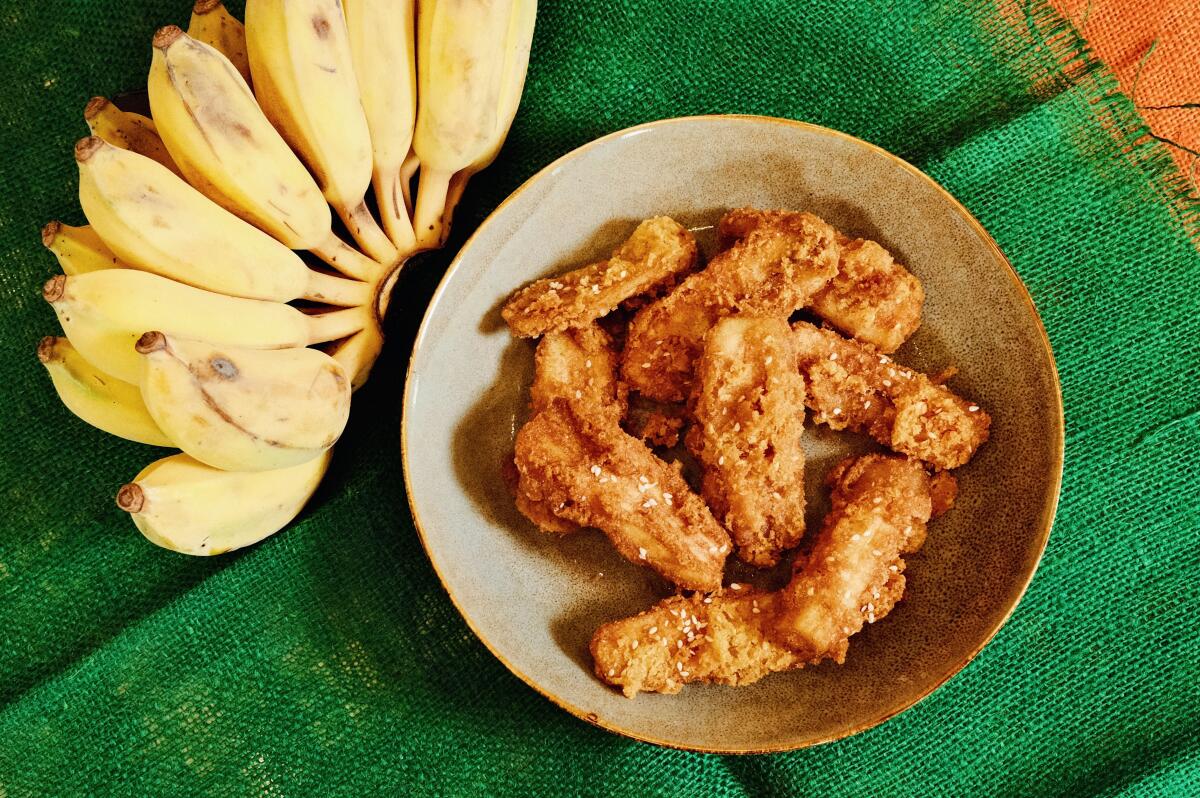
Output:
x=535 y=599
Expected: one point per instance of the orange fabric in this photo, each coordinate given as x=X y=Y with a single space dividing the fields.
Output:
x=1121 y=31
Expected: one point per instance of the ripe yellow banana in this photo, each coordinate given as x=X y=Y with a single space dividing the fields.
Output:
x=126 y=130
x=212 y=24
x=183 y=505
x=383 y=43
x=304 y=80
x=516 y=64
x=229 y=151
x=78 y=249
x=461 y=53
x=105 y=312
x=244 y=409
x=155 y=221
x=100 y=399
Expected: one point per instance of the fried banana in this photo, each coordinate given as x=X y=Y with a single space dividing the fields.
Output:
x=854 y=576
x=580 y=364
x=872 y=298
x=650 y=262
x=772 y=271
x=748 y=405
x=852 y=386
x=587 y=470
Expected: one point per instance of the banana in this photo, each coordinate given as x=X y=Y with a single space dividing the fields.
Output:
x=185 y=506
x=461 y=53
x=126 y=130
x=516 y=64
x=100 y=399
x=212 y=24
x=229 y=151
x=78 y=249
x=244 y=409
x=304 y=80
x=382 y=44
x=155 y=221
x=105 y=312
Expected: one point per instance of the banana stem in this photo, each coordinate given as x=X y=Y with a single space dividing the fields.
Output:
x=338 y=324
x=334 y=290
x=431 y=200
x=407 y=170
x=368 y=233
x=458 y=185
x=358 y=353
x=394 y=210
x=347 y=260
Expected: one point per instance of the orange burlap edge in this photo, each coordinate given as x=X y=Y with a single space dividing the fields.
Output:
x=1121 y=31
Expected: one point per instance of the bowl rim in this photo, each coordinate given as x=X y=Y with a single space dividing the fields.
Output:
x=1050 y=508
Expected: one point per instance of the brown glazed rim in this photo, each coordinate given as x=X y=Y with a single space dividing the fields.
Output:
x=1048 y=512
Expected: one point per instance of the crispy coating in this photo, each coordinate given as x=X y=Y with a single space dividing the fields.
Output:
x=851 y=386
x=772 y=271
x=589 y=471
x=872 y=298
x=578 y=363
x=854 y=576
x=656 y=423
x=748 y=405
x=650 y=262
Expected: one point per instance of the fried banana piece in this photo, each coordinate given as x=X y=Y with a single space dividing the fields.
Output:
x=725 y=638
x=854 y=576
x=651 y=261
x=578 y=363
x=775 y=270
x=589 y=471
x=851 y=386
x=872 y=298
x=854 y=573
x=748 y=405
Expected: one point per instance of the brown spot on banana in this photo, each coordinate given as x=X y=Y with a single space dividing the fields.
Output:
x=86 y=147
x=131 y=498
x=54 y=288
x=47 y=350
x=150 y=342
x=94 y=107
x=203 y=7
x=50 y=232
x=165 y=36
x=321 y=26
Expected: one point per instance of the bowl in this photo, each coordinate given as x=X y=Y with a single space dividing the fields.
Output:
x=535 y=599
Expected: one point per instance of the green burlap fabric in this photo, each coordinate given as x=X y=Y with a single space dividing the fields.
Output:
x=329 y=661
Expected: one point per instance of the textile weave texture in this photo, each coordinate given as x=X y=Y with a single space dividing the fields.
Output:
x=329 y=661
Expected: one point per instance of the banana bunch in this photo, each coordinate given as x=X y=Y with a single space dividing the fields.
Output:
x=227 y=293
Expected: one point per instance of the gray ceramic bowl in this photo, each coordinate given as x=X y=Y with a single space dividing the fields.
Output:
x=535 y=599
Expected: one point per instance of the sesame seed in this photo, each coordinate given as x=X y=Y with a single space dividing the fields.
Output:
x=737 y=426
x=769 y=360
x=650 y=503
x=707 y=600
x=579 y=394
x=755 y=610
x=734 y=586
x=668 y=498
x=856 y=536
x=867 y=405
x=595 y=289
x=882 y=359
x=624 y=273
x=596 y=470
x=679 y=666
x=876 y=552
x=833 y=355
x=555 y=284
x=811 y=590
x=837 y=411
x=679 y=644
x=893 y=568
x=611 y=671
x=587 y=363
x=713 y=550
x=635 y=645
x=721 y=460
x=653 y=630
x=877 y=500
x=870 y=617
x=642 y=553
x=973 y=409
x=887 y=383
x=646 y=365
x=845 y=630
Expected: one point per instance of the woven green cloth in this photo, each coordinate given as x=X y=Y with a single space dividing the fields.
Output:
x=329 y=660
